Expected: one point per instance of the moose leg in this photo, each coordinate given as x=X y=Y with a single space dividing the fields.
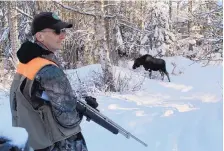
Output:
x=167 y=74
x=162 y=74
x=150 y=74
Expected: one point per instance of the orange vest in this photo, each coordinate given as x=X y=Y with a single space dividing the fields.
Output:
x=30 y=69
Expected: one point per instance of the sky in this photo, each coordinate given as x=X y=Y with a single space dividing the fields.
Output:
x=182 y=115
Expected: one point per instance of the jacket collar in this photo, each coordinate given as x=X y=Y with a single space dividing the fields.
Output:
x=29 y=51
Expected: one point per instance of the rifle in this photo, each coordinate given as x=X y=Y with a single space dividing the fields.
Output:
x=97 y=117
x=102 y=120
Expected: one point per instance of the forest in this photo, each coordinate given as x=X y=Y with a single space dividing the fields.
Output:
x=111 y=33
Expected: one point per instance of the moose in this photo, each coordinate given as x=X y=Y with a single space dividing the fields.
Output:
x=150 y=63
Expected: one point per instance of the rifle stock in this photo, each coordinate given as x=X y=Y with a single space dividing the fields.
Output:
x=104 y=121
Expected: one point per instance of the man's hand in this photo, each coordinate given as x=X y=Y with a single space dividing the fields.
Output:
x=91 y=101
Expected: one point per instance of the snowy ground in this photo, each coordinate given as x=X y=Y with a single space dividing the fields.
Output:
x=183 y=115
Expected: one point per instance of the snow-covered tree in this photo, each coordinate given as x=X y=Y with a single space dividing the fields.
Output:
x=102 y=47
x=158 y=23
x=13 y=27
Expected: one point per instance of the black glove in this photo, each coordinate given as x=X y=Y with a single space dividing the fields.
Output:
x=91 y=101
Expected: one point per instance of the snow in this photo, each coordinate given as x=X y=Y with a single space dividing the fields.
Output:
x=18 y=136
x=4 y=35
x=183 y=115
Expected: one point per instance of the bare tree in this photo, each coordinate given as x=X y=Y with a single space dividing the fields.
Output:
x=190 y=3
x=170 y=12
x=12 y=15
x=102 y=46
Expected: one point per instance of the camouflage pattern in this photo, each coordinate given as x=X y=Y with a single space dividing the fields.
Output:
x=55 y=83
x=70 y=145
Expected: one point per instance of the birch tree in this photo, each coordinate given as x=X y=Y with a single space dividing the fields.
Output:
x=102 y=46
x=12 y=15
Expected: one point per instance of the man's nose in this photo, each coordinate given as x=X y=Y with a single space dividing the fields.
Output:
x=62 y=36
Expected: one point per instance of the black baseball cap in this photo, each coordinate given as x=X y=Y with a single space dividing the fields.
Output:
x=47 y=20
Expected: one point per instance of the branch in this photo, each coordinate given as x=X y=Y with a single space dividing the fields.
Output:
x=75 y=10
x=110 y=16
x=78 y=77
x=109 y=5
x=22 y=12
x=207 y=13
x=139 y=30
x=208 y=60
x=105 y=17
x=84 y=13
x=133 y=44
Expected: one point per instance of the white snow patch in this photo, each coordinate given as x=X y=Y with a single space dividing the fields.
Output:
x=181 y=87
x=168 y=113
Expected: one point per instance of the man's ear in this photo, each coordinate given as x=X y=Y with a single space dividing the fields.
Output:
x=39 y=37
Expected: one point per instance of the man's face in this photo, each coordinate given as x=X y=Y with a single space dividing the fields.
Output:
x=51 y=39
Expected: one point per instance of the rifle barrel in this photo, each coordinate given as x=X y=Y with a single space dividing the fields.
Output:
x=118 y=127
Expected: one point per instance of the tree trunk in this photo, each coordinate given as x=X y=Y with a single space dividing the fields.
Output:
x=12 y=15
x=130 y=11
x=143 y=11
x=102 y=47
x=170 y=13
x=112 y=30
x=189 y=15
x=178 y=7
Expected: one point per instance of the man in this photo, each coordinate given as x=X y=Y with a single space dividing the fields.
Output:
x=41 y=96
